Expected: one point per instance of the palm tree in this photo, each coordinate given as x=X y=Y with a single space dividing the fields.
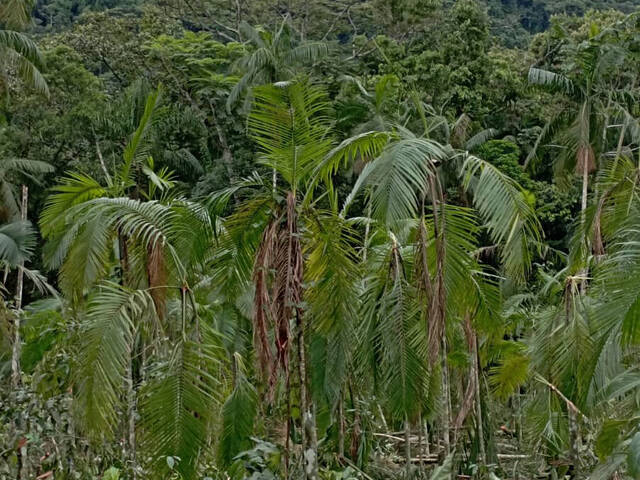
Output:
x=276 y=57
x=300 y=259
x=579 y=125
x=12 y=171
x=430 y=276
x=131 y=255
x=19 y=53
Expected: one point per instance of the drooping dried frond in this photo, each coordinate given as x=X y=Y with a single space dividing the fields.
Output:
x=287 y=283
x=263 y=315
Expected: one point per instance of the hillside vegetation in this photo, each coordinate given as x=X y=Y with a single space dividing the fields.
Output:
x=320 y=240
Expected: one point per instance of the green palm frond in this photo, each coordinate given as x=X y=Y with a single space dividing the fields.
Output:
x=289 y=122
x=17 y=243
x=479 y=138
x=511 y=372
x=391 y=334
x=399 y=178
x=238 y=415
x=507 y=214
x=365 y=146
x=233 y=258
x=16 y=13
x=21 y=45
x=556 y=81
x=75 y=189
x=333 y=274
x=23 y=56
x=252 y=34
x=29 y=72
x=617 y=280
x=106 y=344
x=178 y=406
x=182 y=230
x=82 y=255
x=548 y=132
x=140 y=144
x=307 y=53
x=25 y=165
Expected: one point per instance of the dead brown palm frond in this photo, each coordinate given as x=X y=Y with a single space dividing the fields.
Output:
x=422 y=265
x=262 y=309
x=460 y=131
x=436 y=312
x=585 y=157
x=157 y=276
x=287 y=283
x=598 y=244
x=467 y=400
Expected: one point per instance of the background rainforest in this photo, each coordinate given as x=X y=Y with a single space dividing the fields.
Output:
x=334 y=239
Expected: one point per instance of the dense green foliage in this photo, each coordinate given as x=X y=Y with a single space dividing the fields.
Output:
x=325 y=240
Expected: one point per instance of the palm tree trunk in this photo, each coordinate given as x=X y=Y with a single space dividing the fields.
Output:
x=287 y=427
x=574 y=438
x=426 y=437
x=583 y=211
x=446 y=399
x=420 y=449
x=476 y=361
x=313 y=443
x=15 y=354
x=407 y=446
x=308 y=432
x=585 y=185
x=341 y=426
x=366 y=233
x=303 y=391
x=131 y=413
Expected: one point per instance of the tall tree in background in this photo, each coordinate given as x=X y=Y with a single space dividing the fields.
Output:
x=273 y=57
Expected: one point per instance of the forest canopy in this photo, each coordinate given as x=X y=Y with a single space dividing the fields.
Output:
x=328 y=240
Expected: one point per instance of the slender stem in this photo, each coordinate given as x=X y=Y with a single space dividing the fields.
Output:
x=341 y=424
x=476 y=361
x=446 y=398
x=407 y=445
x=131 y=412
x=15 y=355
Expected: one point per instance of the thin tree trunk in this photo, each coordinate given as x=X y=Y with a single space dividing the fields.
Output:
x=407 y=446
x=447 y=400
x=341 y=426
x=287 y=430
x=476 y=361
x=101 y=160
x=384 y=420
x=366 y=233
x=470 y=393
x=274 y=179
x=420 y=449
x=583 y=211
x=309 y=436
x=313 y=442
x=426 y=438
x=355 y=436
x=303 y=392
x=131 y=412
x=15 y=354
x=574 y=438
x=585 y=185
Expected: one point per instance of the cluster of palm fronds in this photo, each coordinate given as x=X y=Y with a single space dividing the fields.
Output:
x=282 y=309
